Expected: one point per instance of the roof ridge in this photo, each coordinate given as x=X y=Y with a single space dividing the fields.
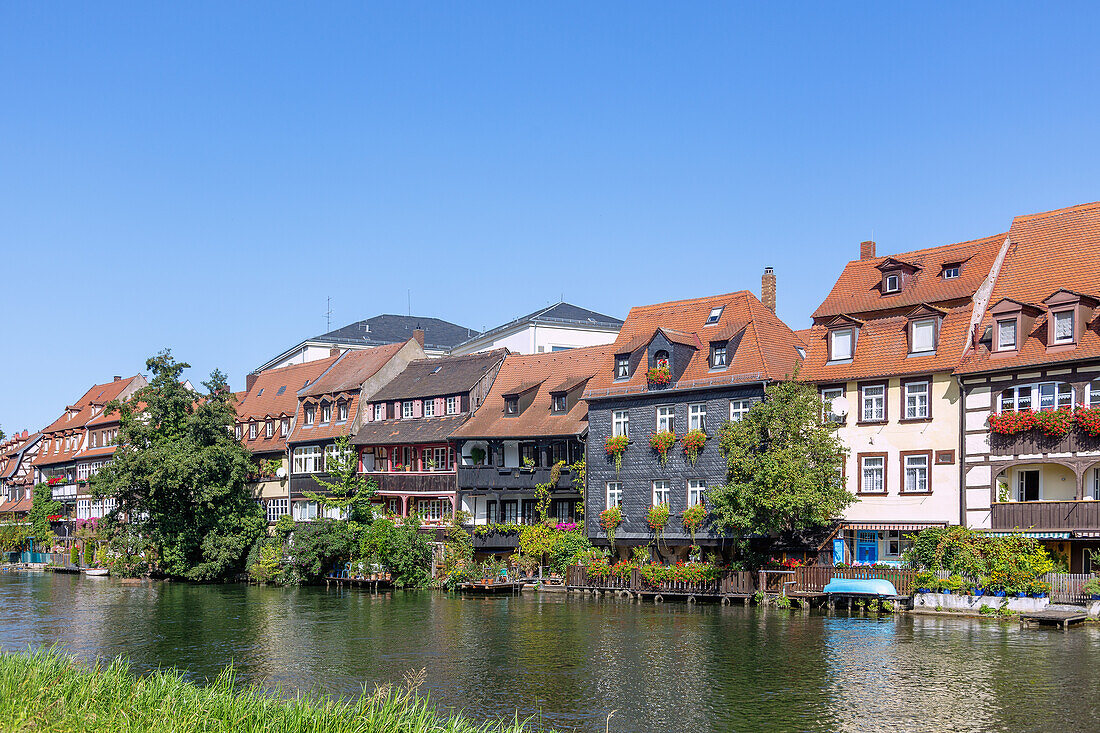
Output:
x=668 y=303
x=1056 y=212
x=936 y=248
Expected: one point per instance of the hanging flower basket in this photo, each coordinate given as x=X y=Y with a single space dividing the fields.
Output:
x=610 y=519
x=1088 y=419
x=1055 y=423
x=615 y=447
x=662 y=442
x=693 y=519
x=693 y=442
x=658 y=376
x=657 y=518
x=1011 y=422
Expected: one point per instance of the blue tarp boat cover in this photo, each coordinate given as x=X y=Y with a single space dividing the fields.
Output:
x=861 y=587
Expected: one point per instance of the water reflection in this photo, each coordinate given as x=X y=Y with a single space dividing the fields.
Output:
x=573 y=660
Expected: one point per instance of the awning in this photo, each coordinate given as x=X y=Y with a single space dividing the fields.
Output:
x=1040 y=535
x=892 y=525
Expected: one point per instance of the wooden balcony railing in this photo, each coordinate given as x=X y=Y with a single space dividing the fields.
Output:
x=1046 y=515
x=1033 y=442
x=497 y=478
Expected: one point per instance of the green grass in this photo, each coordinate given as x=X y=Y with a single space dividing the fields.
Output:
x=47 y=691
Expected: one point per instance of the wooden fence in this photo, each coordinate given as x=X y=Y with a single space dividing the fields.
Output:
x=1066 y=587
x=814 y=579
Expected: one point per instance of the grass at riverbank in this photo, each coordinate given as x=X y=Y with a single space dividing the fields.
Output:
x=47 y=691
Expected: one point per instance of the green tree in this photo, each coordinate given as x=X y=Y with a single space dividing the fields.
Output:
x=350 y=492
x=784 y=467
x=179 y=474
x=43 y=507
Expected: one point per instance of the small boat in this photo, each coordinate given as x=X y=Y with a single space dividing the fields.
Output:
x=861 y=587
x=95 y=572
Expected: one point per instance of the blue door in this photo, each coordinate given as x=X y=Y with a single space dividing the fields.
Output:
x=867 y=546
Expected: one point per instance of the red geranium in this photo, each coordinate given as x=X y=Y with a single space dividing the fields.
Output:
x=1088 y=419
x=1010 y=422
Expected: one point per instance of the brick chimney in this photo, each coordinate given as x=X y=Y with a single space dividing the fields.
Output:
x=867 y=250
x=118 y=379
x=335 y=351
x=418 y=334
x=767 y=288
x=249 y=380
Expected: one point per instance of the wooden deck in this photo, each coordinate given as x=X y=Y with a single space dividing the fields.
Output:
x=374 y=585
x=487 y=589
x=1053 y=617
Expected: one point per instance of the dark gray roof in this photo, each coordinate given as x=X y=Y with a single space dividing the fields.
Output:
x=422 y=430
x=447 y=375
x=392 y=329
x=561 y=313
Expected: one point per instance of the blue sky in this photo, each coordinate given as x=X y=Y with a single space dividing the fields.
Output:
x=202 y=176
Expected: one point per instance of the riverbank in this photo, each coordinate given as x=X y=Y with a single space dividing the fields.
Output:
x=47 y=691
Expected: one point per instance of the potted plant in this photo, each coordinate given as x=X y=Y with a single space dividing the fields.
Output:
x=610 y=519
x=952 y=584
x=693 y=442
x=1092 y=588
x=615 y=447
x=693 y=518
x=658 y=376
x=528 y=464
x=661 y=442
x=657 y=517
x=925 y=581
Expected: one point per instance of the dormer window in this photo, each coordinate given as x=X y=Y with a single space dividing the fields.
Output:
x=558 y=402
x=284 y=427
x=891 y=283
x=660 y=359
x=715 y=314
x=251 y=431
x=718 y=355
x=407 y=410
x=326 y=413
x=1006 y=335
x=342 y=411
x=622 y=366
x=840 y=344
x=310 y=413
x=511 y=405
x=922 y=336
x=951 y=272
x=379 y=411
x=269 y=429
x=1063 y=327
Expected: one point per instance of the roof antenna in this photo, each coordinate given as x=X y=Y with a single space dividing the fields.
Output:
x=328 y=313
x=410 y=294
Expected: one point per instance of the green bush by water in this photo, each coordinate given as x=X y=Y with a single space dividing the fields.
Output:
x=46 y=691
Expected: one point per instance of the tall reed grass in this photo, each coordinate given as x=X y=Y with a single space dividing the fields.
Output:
x=47 y=691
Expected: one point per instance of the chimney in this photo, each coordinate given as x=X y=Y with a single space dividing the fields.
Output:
x=418 y=334
x=335 y=351
x=767 y=288
x=249 y=381
x=118 y=379
x=867 y=250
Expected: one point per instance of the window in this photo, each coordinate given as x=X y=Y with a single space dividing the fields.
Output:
x=380 y=411
x=307 y=459
x=284 y=426
x=1095 y=484
x=436 y=459
x=1063 y=327
x=269 y=429
x=718 y=356
x=916 y=473
x=511 y=405
x=923 y=337
x=452 y=405
x=697 y=491
x=872 y=475
x=666 y=418
x=622 y=366
x=873 y=403
x=950 y=272
x=614 y=494
x=1053 y=395
x=840 y=344
x=715 y=314
x=326 y=413
x=277 y=508
x=433 y=510
x=407 y=409
x=661 y=492
x=563 y=512
x=342 y=412
x=251 y=431
x=311 y=410
x=280 y=390
x=697 y=416
x=558 y=402
x=620 y=423
x=916 y=400
x=83 y=509
x=1028 y=485
x=827 y=397
x=660 y=359
x=237 y=432
x=1016 y=398
x=429 y=408
x=896 y=543
x=739 y=408
x=892 y=283
x=332 y=454
x=1092 y=394
x=509 y=511
x=1006 y=335
x=305 y=511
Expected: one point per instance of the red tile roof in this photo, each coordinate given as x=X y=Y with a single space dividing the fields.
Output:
x=274 y=394
x=1049 y=251
x=98 y=394
x=85 y=412
x=551 y=372
x=766 y=348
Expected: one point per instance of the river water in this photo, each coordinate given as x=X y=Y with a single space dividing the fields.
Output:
x=570 y=661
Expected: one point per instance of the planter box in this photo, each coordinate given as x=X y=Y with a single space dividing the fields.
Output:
x=973 y=604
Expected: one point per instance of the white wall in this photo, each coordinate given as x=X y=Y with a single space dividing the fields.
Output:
x=537 y=338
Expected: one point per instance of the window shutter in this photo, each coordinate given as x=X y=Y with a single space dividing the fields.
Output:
x=418 y=408
x=464 y=403
x=440 y=406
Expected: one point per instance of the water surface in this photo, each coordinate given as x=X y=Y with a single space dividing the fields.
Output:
x=571 y=660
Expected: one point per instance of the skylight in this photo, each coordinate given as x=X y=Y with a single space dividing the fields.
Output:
x=281 y=390
x=260 y=392
x=715 y=314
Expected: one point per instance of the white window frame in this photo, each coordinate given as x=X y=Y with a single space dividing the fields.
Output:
x=662 y=492
x=306 y=459
x=310 y=415
x=407 y=410
x=1059 y=394
x=622 y=367
x=305 y=511
x=1092 y=393
x=1096 y=484
x=276 y=508
x=696 y=491
x=326 y=413
x=850 y=333
x=872 y=407
x=917 y=474
x=1054 y=317
x=715 y=350
x=879 y=473
x=740 y=408
x=614 y=494
x=827 y=396
x=930 y=324
x=1002 y=328
x=428 y=409
x=914 y=408
x=620 y=423
x=341 y=411
x=666 y=418
x=697 y=416
x=436 y=511
x=714 y=315
x=269 y=429
x=380 y=411
x=284 y=427
x=559 y=403
x=452 y=405
x=951 y=273
x=895 y=286
x=252 y=430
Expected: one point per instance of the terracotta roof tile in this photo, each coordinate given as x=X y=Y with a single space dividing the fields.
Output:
x=420 y=430
x=275 y=394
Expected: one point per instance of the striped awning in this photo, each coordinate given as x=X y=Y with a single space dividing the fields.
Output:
x=1035 y=535
x=892 y=525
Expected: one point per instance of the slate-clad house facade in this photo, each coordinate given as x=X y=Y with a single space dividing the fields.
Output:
x=404 y=440
x=533 y=418
x=721 y=352
x=1037 y=348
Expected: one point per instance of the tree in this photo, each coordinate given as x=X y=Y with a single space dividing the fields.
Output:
x=180 y=476
x=350 y=492
x=43 y=507
x=784 y=467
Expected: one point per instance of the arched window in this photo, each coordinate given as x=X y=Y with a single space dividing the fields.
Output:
x=661 y=359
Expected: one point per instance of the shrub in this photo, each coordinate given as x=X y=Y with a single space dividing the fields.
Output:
x=320 y=546
x=1055 y=423
x=1091 y=586
x=568 y=544
x=268 y=564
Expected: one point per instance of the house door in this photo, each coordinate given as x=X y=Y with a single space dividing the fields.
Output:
x=1027 y=485
x=867 y=546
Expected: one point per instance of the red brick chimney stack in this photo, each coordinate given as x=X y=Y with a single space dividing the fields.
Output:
x=249 y=380
x=767 y=288
x=418 y=334
x=867 y=250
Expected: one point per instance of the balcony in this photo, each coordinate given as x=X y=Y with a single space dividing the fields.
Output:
x=1034 y=442
x=1046 y=515
x=497 y=478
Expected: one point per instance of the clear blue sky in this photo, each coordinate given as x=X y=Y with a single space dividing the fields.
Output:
x=202 y=175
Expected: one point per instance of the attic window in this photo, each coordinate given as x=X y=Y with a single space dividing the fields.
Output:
x=1006 y=335
x=436 y=369
x=891 y=283
x=622 y=366
x=922 y=337
x=558 y=402
x=718 y=355
x=715 y=314
x=660 y=359
x=1063 y=327
x=840 y=344
x=281 y=390
x=951 y=272
x=511 y=405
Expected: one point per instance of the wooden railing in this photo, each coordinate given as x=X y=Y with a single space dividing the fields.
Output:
x=1040 y=515
x=814 y=579
x=1066 y=587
